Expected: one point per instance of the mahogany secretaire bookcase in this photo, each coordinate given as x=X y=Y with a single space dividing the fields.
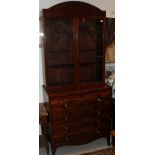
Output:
x=74 y=51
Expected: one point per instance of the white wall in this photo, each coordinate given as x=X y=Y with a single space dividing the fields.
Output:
x=106 y=5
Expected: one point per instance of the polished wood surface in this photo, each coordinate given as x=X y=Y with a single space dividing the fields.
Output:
x=74 y=44
x=80 y=118
x=80 y=102
x=73 y=9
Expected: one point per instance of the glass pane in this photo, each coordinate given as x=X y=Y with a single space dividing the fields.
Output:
x=91 y=38
x=59 y=38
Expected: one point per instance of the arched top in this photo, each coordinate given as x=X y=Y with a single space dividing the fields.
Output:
x=73 y=9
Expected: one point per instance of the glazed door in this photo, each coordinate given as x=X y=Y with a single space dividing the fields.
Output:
x=91 y=49
x=59 y=52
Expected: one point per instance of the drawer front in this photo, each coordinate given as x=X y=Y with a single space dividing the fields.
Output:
x=80 y=137
x=73 y=108
x=72 y=103
x=73 y=127
x=69 y=103
x=80 y=119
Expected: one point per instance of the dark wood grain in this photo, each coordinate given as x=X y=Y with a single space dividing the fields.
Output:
x=73 y=9
x=79 y=105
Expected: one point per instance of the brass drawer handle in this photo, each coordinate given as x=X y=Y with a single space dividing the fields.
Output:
x=66 y=118
x=67 y=139
x=66 y=106
x=98 y=112
x=98 y=122
x=90 y=120
x=98 y=132
x=66 y=128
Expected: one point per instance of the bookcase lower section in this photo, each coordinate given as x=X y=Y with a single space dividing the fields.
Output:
x=80 y=118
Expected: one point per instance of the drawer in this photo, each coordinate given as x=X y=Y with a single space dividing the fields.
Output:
x=86 y=108
x=66 y=117
x=73 y=127
x=84 y=136
x=72 y=103
x=104 y=103
x=80 y=102
x=59 y=118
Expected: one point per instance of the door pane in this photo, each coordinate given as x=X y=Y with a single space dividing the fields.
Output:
x=59 y=39
x=91 y=42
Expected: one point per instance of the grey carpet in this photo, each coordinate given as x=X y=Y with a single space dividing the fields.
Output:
x=78 y=149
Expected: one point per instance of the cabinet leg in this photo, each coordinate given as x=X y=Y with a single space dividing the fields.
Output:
x=47 y=150
x=47 y=147
x=108 y=140
x=113 y=141
x=53 y=151
x=45 y=132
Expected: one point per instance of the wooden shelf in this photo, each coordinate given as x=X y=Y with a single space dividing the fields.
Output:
x=60 y=83
x=60 y=51
x=89 y=32
x=88 y=50
x=62 y=65
x=66 y=32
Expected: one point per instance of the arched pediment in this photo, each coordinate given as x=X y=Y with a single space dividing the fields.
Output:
x=73 y=8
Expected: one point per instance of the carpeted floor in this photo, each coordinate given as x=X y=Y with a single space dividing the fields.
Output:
x=78 y=149
x=108 y=151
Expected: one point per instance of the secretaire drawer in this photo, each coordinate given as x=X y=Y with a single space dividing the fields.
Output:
x=72 y=103
x=73 y=108
x=65 y=117
x=85 y=135
x=80 y=102
x=91 y=122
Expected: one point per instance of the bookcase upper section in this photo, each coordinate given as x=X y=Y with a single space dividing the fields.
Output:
x=74 y=46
